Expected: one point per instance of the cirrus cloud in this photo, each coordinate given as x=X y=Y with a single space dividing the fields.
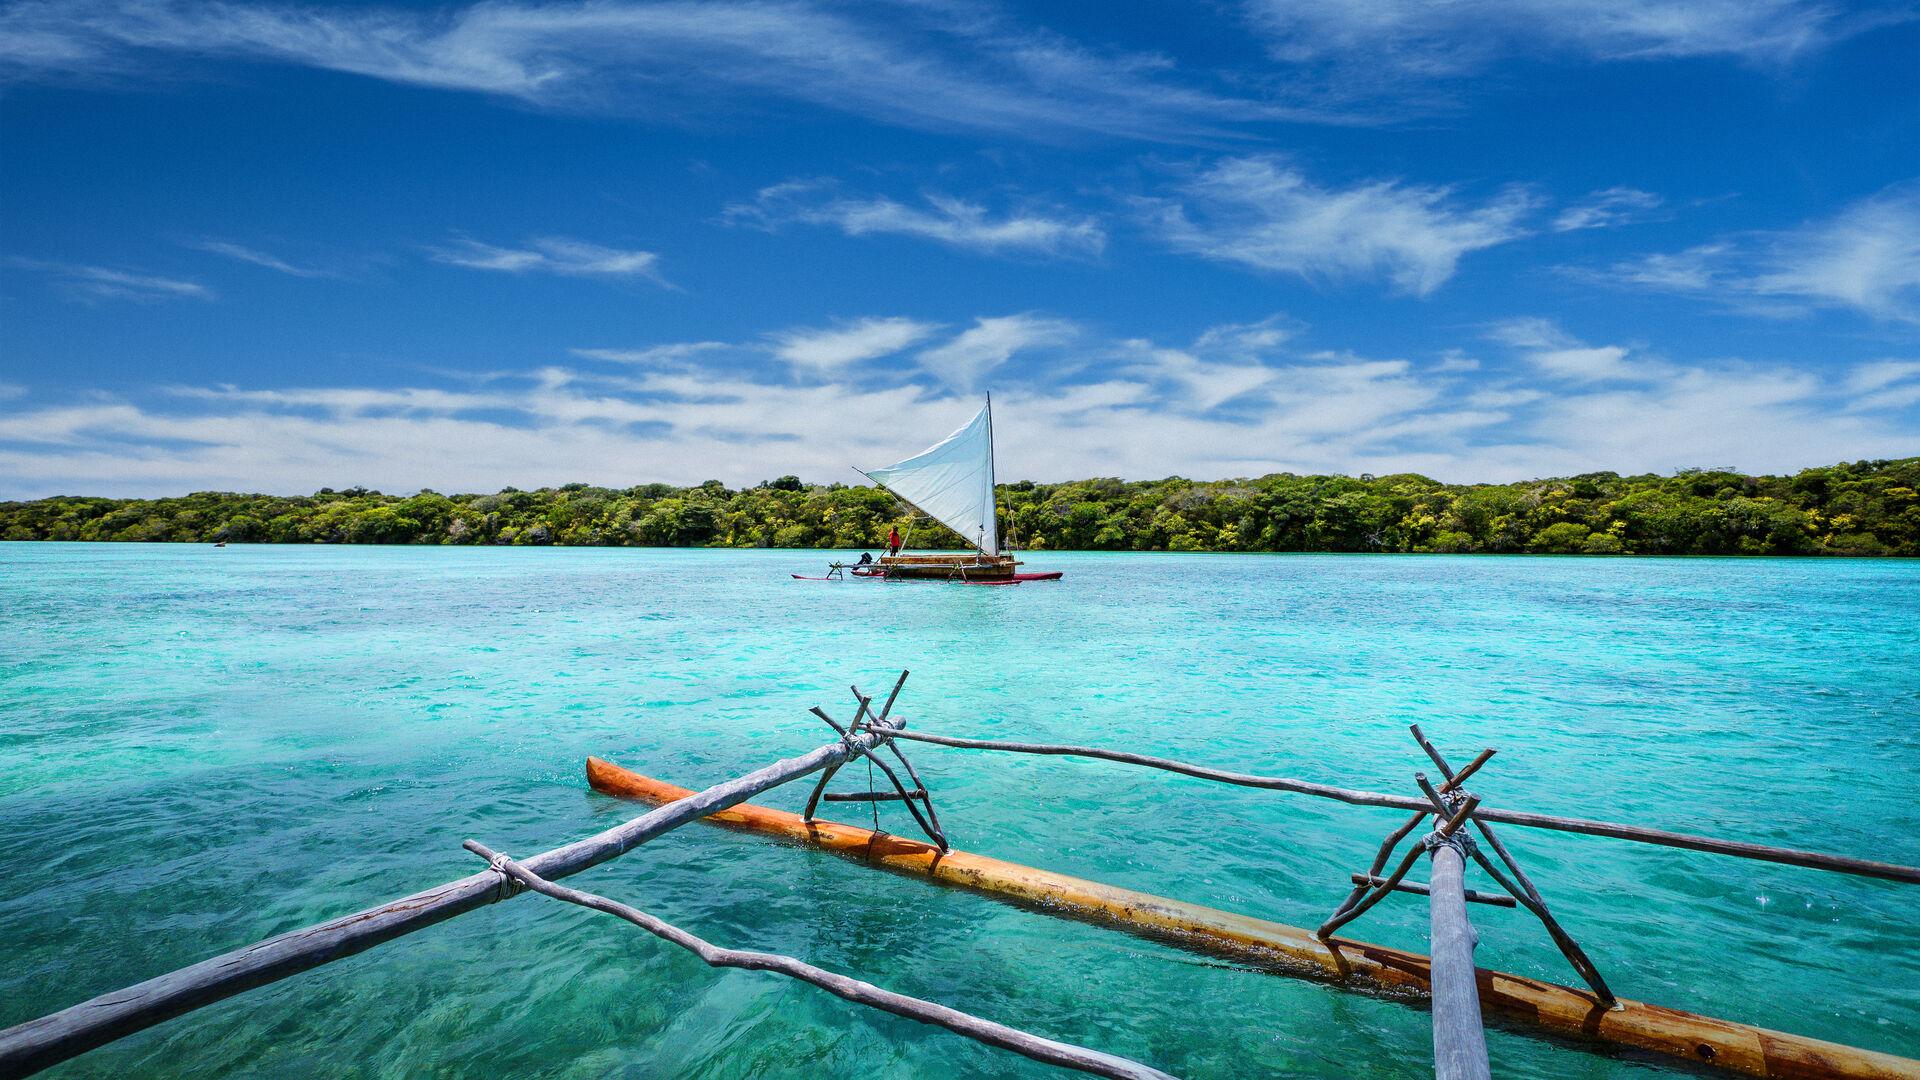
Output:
x=1262 y=212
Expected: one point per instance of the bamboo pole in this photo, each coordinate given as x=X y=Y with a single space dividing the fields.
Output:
x=29 y=1047
x=1813 y=860
x=1065 y=1055
x=1289 y=950
x=1459 y=1040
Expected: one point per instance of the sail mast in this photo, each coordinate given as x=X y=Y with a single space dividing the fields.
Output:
x=993 y=506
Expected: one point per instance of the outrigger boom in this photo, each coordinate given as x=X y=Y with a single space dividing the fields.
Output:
x=1521 y=1002
x=1458 y=990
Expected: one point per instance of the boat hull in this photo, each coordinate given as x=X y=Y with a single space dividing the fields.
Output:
x=970 y=567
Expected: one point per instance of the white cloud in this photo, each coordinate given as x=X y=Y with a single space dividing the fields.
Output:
x=1866 y=258
x=258 y=258
x=826 y=349
x=1226 y=404
x=1607 y=209
x=966 y=358
x=92 y=283
x=1885 y=384
x=551 y=255
x=1555 y=352
x=951 y=221
x=1443 y=39
x=1262 y=212
x=654 y=354
x=1244 y=340
x=920 y=65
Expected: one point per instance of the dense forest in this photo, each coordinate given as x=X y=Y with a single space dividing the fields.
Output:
x=1858 y=508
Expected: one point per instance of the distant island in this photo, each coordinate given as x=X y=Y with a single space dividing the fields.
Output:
x=1856 y=508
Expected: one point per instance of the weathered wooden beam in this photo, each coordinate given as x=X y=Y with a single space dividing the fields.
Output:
x=1525 y=892
x=1528 y=1004
x=29 y=1047
x=873 y=796
x=1368 y=881
x=1459 y=1039
x=1814 y=860
x=1065 y=1055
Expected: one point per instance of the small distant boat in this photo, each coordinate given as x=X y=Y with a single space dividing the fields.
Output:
x=952 y=483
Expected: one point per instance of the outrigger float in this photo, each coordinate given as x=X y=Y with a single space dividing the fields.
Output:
x=952 y=483
x=1456 y=989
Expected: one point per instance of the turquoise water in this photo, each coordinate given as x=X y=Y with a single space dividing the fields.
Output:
x=204 y=747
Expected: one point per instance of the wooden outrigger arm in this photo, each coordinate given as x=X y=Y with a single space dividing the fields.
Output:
x=1522 y=1002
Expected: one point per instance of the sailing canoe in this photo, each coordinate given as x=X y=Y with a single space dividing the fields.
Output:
x=1289 y=950
x=952 y=483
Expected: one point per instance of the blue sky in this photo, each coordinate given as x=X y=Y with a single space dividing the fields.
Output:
x=278 y=247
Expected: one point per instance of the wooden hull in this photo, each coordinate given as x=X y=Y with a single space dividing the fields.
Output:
x=1522 y=1002
x=945 y=566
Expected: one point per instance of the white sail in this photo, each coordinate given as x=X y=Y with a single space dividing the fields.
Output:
x=952 y=482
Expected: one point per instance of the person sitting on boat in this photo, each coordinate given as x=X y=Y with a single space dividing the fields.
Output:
x=866 y=558
x=893 y=540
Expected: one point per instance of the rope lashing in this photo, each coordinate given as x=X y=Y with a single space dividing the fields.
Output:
x=510 y=886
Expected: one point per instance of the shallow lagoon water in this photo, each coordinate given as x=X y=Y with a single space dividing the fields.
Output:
x=203 y=747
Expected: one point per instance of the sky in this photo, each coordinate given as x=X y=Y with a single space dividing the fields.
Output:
x=277 y=247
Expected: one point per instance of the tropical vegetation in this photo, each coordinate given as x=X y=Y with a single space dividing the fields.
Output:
x=1854 y=508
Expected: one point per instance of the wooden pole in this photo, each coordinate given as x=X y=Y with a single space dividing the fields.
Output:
x=1293 y=951
x=32 y=1046
x=826 y=775
x=1368 y=881
x=1813 y=860
x=1065 y=1055
x=1459 y=1040
x=1525 y=893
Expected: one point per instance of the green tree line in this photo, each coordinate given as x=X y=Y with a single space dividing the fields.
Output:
x=1854 y=508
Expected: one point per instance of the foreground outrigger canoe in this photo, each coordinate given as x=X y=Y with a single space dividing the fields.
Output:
x=1522 y=1002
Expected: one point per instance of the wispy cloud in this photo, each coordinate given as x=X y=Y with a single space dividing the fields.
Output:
x=94 y=283
x=1866 y=258
x=919 y=65
x=1234 y=401
x=1885 y=384
x=821 y=350
x=258 y=258
x=947 y=220
x=1608 y=209
x=1426 y=39
x=654 y=354
x=1262 y=212
x=1556 y=353
x=551 y=255
x=966 y=358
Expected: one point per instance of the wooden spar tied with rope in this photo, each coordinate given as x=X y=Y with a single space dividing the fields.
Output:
x=1289 y=950
x=1459 y=991
x=1065 y=1055
x=37 y=1044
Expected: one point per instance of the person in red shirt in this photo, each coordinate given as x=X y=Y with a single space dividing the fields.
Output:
x=893 y=540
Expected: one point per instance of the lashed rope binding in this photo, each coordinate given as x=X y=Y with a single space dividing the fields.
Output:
x=1452 y=806
x=917 y=800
